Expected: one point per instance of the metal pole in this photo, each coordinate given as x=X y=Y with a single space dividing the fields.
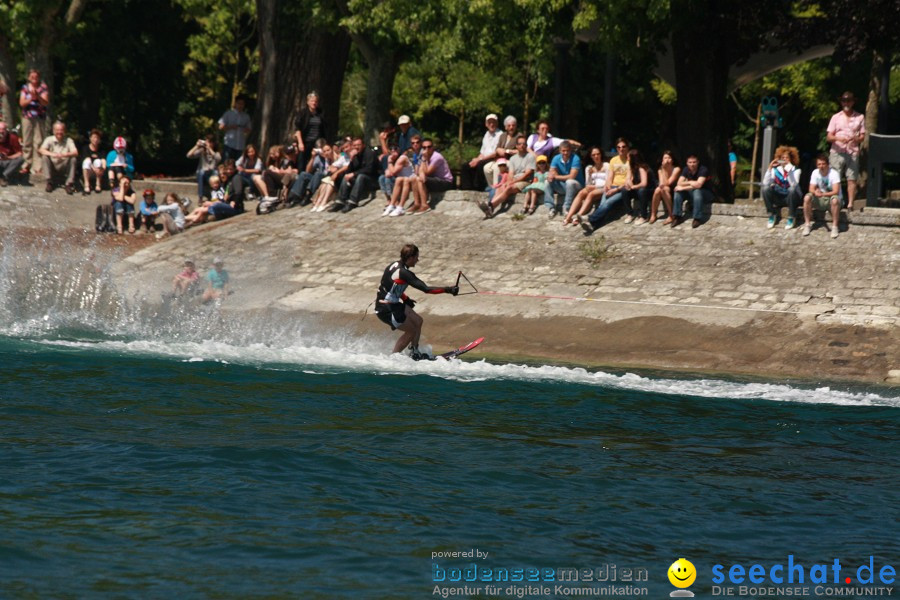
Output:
x=755 y=147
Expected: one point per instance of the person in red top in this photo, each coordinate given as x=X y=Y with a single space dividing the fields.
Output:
x=11 y=158
x=846 y=131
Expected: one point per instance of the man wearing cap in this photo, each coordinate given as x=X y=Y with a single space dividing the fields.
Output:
x=119 y=162
x=218 y=282
x=407 y=131
x=521 y=170
x=477 y=174
x=846 y=131
x=60 y=156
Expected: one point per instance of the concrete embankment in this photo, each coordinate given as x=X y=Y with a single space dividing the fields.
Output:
x=728 y=297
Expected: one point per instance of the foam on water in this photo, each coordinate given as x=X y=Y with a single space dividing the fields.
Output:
x=368 y=358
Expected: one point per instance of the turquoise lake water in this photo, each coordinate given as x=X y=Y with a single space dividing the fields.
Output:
x=160 y=454
x=197 y=469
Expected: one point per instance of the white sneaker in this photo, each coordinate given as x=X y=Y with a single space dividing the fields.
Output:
x=806 y=230
x=387 y=210
x=628 y=219
x=398 y=212
x=834 y=232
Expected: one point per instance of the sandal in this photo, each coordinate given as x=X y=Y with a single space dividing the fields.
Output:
x=652 y=220
x=131 y=230
x=668 y=221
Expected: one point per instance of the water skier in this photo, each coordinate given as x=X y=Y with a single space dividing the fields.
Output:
x=394 y=308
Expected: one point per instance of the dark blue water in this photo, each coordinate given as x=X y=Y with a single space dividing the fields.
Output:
x=127 y=473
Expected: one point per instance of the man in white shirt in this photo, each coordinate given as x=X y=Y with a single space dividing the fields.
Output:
x=846 y=131
x=824 y=194
x=236 y=125
x=475 y=173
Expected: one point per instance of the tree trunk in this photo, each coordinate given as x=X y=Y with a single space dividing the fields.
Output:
x=701 y=81
x=383 y=66
x=8 y=77
x=295 y=59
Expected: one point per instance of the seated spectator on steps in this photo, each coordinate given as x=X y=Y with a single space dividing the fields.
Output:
x=119 y=162
x=476 y=175
x=566 y=177
x=667 y=176
x=171 y=216
x=11 y=156
x=206 y=151
x=218 y=282
x=506 y=145
x=124 y=199
x=93 y=163
x=404 y=174
x=542 y=143
x=360 y=179
x=539 y=186
x=279 y=169
x=595 y=178
x=781 y=185
x=640 y=188
x=248 y=165
x=615 y=191
x=521 y=168
x=385 y=180
x=60 y=157
x=307 y=183
x=332 y=179
x=694 y=185
x=185 y=281
x=149 y=210
x=433 y=176
x=824 y=194
x=387 y=138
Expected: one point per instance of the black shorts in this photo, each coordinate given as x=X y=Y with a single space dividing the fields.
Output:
x=392 y=314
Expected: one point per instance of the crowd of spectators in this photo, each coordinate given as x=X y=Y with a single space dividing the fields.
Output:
x=310 y=170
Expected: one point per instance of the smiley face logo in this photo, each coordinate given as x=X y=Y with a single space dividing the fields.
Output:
x=682 y=573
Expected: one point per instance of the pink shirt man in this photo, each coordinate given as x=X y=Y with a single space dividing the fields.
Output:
x=847 y=130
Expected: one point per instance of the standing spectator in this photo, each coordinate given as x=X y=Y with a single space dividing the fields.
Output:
x=615 y=191
x=206 y=151
x=123 y=203
x=360 y=179
x=521 y=169
x=668 y=175
x=693 y=184
x=236 y=125
x=60 y=156
x=11 y=158
x=433 y=176
x=119 y=162
x=407 y=131
x=149 y=210
x=640 y=188
x=824 y=194
x=732 y=163
x=34 y=99
x=846 y=131
x=477 y=174
x=566 y=177
x=93 y=163
x=781 y=185
x=310 y=125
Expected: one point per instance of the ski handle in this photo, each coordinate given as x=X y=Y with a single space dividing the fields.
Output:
x=462 y=275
